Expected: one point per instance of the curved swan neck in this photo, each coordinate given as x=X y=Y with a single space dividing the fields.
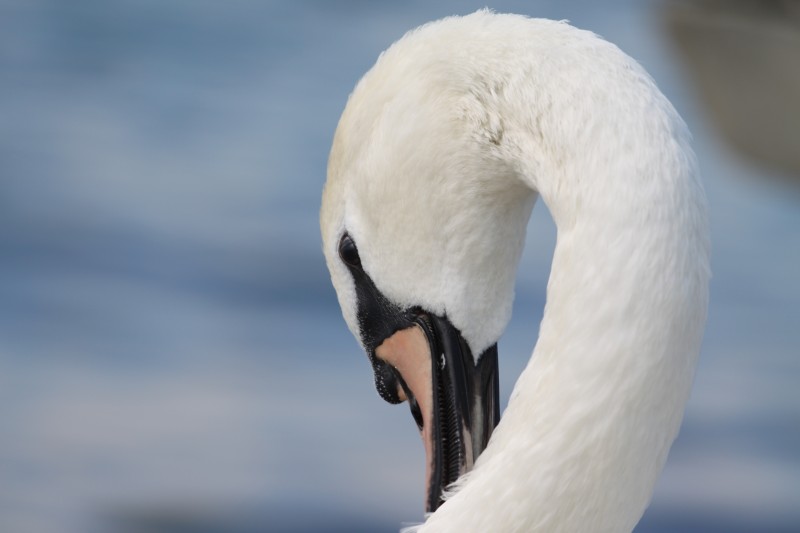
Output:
x=592 y=417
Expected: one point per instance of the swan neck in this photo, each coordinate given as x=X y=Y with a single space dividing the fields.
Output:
x=592 y=417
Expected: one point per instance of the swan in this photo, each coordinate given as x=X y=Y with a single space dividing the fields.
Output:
x=440 y=153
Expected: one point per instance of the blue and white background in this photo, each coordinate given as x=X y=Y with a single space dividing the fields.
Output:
x=172 y=355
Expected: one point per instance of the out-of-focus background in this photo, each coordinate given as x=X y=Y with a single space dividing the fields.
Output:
x=172 y=356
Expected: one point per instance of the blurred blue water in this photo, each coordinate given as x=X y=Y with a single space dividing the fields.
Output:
x=172 y=356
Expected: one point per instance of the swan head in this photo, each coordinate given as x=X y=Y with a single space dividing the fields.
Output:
x=422 y=227
x=437 y=160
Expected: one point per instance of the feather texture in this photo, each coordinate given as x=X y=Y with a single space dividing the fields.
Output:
x=440 y=154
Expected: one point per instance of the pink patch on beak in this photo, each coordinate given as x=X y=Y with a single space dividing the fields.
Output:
x=408 y=352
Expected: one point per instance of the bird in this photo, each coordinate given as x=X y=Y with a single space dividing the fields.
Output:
x=441 y=152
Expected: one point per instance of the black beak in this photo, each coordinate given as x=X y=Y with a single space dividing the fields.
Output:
x=455 y=405
x=466 y=405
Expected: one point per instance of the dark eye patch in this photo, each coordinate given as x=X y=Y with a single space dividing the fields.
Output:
x=378 y=318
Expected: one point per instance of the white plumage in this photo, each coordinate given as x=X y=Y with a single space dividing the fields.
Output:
x=439 y=156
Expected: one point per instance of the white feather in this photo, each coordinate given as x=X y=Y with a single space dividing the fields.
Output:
x=437 y=161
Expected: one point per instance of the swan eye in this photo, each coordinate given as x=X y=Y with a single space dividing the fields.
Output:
x=348 y=252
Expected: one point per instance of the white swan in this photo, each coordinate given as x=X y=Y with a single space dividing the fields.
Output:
x=436 y=163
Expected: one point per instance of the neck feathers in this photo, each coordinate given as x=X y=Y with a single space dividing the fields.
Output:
x=592 y=417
